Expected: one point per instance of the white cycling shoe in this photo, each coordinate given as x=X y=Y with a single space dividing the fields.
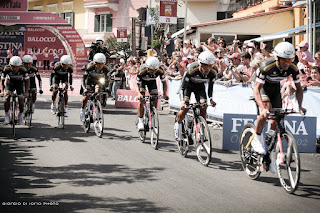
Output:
x=53 y=108
x=82 y=117
x=20 y=118
x=257 y=145
x=177 y=131
x=66 y=112
x=7 y=118
x=140 y=126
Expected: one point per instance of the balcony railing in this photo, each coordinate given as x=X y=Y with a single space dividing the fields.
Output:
x=236 y=5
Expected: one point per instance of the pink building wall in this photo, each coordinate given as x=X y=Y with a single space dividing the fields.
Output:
x=126 y=9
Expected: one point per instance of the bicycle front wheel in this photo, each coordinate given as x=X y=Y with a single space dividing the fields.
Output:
x=288 y=162
x=183 y=145
x=98 y=119
x=204 y=145
x=86 y=123
x=13 y=118
x=154 y=138
x=61 y=112
x=249 y=158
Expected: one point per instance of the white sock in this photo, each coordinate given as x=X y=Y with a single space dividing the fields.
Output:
x=140 y=120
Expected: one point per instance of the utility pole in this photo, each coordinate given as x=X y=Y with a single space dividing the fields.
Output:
x=133 y=37
x=185 y=22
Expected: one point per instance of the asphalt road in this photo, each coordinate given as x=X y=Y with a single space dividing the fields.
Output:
x=49 y=169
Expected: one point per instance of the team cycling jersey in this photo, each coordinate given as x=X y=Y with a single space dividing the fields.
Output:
x=15 y=79
x=91 y=77
x=194 y=81
x=33 y=73
x=146 y=79
x=270 y=75
x=145 y=75
x=59 y=74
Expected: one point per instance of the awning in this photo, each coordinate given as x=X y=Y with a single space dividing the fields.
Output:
x=283 y=34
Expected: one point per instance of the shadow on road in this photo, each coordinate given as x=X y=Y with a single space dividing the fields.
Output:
x=16 y=175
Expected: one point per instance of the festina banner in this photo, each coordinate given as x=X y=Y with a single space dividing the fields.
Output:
x=122 y=34
x=168 y=11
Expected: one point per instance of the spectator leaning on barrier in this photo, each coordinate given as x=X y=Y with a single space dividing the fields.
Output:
x=303 y=52
x=316 y=59
x=314 y=78
x=246 y=71
x=231 y=74
x=253 y=49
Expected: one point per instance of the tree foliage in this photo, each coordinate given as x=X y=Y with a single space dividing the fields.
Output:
x=112 y=44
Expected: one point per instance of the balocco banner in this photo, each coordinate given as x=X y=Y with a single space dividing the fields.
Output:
x=42 y=42
x=168 y=11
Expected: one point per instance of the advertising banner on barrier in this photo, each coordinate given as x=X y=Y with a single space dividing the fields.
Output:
x=129 y=99
x=235 y=100
x=302 y=128
x=168 y=11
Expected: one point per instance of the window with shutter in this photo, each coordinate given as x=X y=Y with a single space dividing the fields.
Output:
x=97 y=23
x=109 y=23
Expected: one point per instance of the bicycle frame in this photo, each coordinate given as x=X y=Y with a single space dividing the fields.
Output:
x=195 y=114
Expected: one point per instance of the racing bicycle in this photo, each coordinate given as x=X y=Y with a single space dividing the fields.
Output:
x=151 y=121
x=286 y=149
x=13 y=113
x=94 y=114
x=195 y=131
x=61 y=107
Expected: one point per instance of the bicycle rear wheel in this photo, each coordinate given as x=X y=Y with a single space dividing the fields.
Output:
x=154 y=138
x=288 y=163
x=204 y=146
x=183 y=145
x=249 y=158
x=98 y=119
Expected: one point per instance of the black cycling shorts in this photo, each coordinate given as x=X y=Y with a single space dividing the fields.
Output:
x=14 y=85
x=199 y=93
x=60 y=79
x=272 y=95
x=151 y=85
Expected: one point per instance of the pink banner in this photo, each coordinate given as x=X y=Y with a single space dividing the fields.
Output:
x=15 y=5
x=126 y=99
x=9 y=18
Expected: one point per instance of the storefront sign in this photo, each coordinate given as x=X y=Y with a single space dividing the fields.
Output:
x=168 y=11
x=122 y=34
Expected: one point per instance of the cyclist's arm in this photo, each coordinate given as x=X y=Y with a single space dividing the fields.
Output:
x=210 y=88
x=39 y=80
x=70 y=79
x=27 y=84
x=51 y=78
x=2 y=79
x=84 y=79
x=299 y=94
x=257 y=96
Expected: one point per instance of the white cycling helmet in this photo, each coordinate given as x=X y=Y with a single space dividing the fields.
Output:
x=99 y=58
x=65 y=59
x=152 y=63
x=15 y=61
x=27 y=59
x=206 y=57
x=284 y=50
x=100 y=39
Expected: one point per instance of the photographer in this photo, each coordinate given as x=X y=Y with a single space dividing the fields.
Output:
x=98 y=47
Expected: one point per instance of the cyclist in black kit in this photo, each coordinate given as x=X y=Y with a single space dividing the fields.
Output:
x=33 y=73
x=94 y=79
x=267 y=90
x=17 y=79
x=61 y=73
x=147 y=78
x=194 y=80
